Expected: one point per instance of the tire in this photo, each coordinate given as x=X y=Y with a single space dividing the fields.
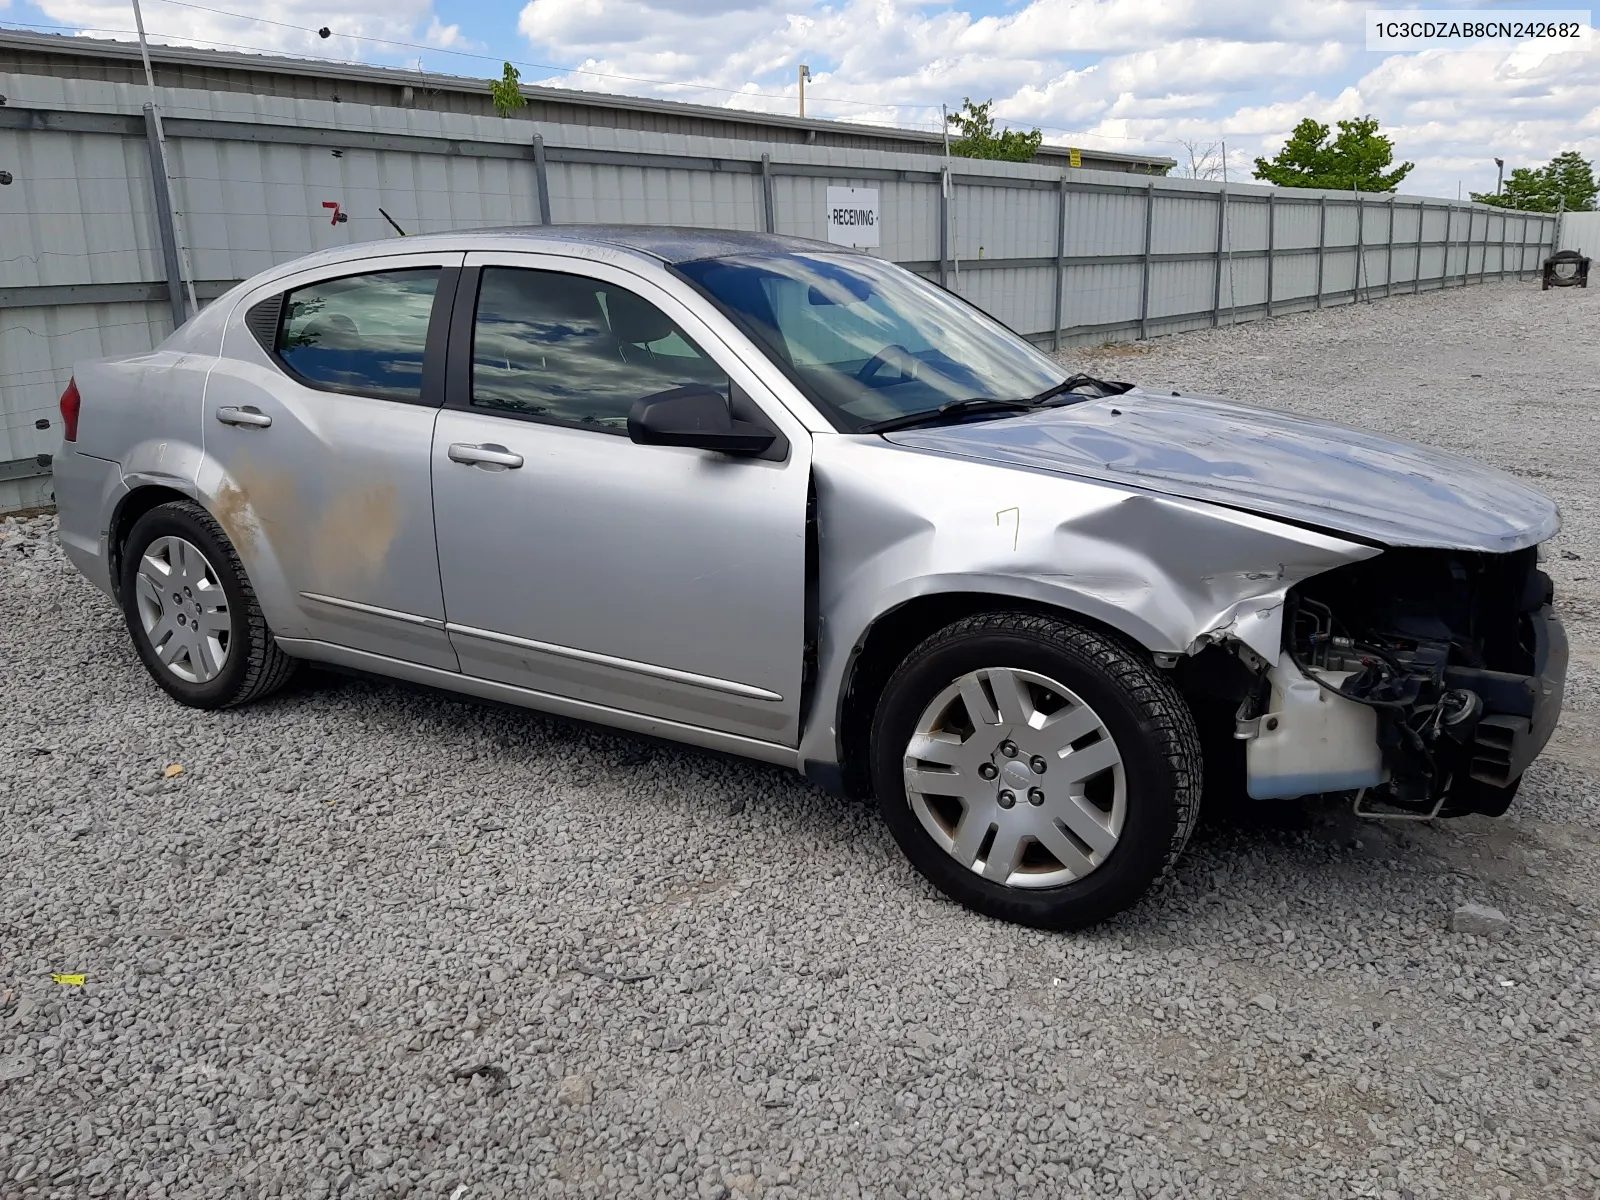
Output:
x=250 y=664
x=1087 y=676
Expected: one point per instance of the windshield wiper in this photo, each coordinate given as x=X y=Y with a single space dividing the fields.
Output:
x=1073 y=382
x=947 y=410
x=985 y=404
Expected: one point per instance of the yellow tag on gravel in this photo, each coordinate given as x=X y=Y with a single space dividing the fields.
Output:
x=69 y=980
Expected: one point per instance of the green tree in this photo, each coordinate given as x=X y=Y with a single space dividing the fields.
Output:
x=1359 y=157
x=976 y=136
x=1565 y=182
x=506 y=92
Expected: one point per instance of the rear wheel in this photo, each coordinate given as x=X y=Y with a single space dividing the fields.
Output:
x=192 y=612
x=1034 y=770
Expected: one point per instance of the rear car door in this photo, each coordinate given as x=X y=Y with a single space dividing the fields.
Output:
x=655 y=580
x=318 y=427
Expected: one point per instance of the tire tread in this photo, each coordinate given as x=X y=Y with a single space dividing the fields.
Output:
x=1166 y=717
x=268 y=668
x=1170 y=720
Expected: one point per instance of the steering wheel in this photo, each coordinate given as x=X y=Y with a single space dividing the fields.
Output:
x=908 y=364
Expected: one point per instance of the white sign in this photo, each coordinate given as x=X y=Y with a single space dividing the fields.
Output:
x=853 y=216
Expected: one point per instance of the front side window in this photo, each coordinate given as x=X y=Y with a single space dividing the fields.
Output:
x=576 y=351
x=364 y=334
x=870 y=341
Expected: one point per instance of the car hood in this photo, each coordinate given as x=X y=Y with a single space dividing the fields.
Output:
x=1311 y=472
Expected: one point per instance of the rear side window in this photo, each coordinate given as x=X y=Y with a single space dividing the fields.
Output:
x=364 y=334
x=576 y=351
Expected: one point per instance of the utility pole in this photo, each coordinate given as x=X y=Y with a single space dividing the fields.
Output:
x=1500 y=174
x=161 y=143
x=805 y=74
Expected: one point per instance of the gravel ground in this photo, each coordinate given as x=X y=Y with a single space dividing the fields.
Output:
x=375 y=942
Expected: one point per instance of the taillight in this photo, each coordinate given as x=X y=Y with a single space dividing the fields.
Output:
x=70 y=403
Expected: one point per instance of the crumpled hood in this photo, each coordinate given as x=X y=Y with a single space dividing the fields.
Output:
x=1314 y=472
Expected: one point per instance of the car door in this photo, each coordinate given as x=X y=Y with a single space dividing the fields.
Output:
x=655 y=580
x=318 y=427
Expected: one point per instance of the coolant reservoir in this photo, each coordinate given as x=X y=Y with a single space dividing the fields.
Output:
x=1311 y=740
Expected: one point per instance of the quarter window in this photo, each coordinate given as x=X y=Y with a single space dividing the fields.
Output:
x=365 y=334
x=576 y=351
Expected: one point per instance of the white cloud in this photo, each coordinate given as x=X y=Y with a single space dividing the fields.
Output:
x=287 y=27
x=446 y=37
x=1137 y=75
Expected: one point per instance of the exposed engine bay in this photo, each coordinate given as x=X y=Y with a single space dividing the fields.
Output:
x=1425 y=680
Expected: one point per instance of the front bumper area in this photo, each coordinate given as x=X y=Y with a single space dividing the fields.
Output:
x=1520 y=711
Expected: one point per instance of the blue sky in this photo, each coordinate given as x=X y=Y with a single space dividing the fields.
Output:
x=1174 y=77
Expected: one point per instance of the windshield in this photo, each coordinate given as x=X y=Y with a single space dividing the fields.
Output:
x=869 y=340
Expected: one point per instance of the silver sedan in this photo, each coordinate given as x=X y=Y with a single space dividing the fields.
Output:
x=772 y=498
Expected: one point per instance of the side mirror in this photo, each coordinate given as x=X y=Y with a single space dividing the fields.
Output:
x=698 y=417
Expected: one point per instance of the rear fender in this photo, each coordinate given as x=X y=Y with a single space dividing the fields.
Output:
x=138 y=410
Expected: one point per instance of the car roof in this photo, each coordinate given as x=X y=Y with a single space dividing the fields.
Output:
x=663 y=243
x=671 y=244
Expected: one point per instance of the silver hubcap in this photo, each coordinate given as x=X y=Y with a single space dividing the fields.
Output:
x=183 y=609
x=1016 y=778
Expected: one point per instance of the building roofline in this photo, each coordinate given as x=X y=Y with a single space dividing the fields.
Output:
x=95 y=47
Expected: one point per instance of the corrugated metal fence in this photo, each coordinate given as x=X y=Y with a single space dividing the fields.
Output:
x=1065 y=258
x=1580 y=231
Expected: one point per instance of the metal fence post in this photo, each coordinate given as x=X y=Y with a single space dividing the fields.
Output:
x=1388 y=266
x=164 y=223
x=1505 y=227
x=1144 y=290
x=1322 y=241
x=1466 y=248
x=1416 y=271
x=944 y=227
x=1272 y=241
x=1061 y=256
x=1483 y=257
x=1449 y=244
x=1216 y=283
x=541 y=179
x=1361 y=250
x=769 y=203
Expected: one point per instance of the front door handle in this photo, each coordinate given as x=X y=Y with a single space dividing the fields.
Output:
x=485 y=455
x=248 y=415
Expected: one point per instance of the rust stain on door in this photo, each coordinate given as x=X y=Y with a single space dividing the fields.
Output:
x=341 y=544
x=353 y=534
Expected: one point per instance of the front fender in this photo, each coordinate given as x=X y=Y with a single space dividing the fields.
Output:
x=896 y=525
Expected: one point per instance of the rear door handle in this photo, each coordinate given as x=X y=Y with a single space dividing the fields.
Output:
x=247 y=415
x=486 y=455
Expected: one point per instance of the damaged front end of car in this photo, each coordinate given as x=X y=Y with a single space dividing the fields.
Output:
x=1425 y=680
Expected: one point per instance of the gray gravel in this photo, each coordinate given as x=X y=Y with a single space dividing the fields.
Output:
x=377 y=942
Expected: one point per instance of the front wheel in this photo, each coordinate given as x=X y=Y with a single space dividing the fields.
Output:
x=1034 y=770
x=192 y=612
